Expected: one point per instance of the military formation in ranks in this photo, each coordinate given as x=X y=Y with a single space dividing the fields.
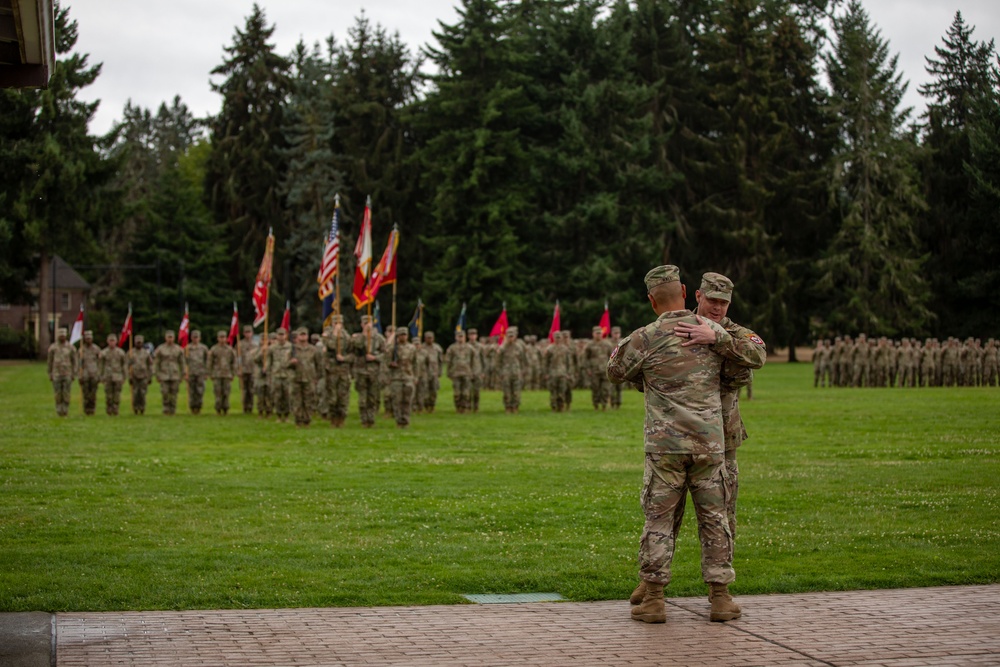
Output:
x=863 y=362
x=298 y=377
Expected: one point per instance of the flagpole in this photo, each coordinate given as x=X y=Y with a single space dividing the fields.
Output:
x=336 y=304
x=395 y=260
x=131 y=326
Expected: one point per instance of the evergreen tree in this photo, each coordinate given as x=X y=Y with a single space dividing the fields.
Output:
x=247 y=164
x=55 y=195
x=953 y=228
x=873 y=271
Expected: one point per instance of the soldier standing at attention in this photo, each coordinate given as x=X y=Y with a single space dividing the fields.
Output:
x=306 y=367
x=338 y=357
x=434 y=358
x=62 y=371
x=261 y=382
x=197 y=371
x=559 y=371
x=168 y=365
x=90 y=372
x=820 y=359
x=511 y=360
x=595 y=356
x=459 y=359
x=246 y=356
x=368 y=349
x=280 y=372
x=478 y=369
x=684 y=443
x=113 y=364
x=221 y=368
x=140 y=370
x=401 y=356
x=616 y=389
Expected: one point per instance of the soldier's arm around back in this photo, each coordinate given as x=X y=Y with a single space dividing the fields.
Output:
x=741 y=345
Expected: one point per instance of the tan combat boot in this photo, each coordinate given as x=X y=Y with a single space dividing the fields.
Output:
x=723 y=606
x=639 y=593
x=652 y=608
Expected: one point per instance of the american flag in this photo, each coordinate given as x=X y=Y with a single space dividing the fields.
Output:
x=328 y=267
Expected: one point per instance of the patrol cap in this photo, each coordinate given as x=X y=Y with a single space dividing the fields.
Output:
x=220 y=332
x=428 y=334
x=196 y=333
x=88 y=332
x=248 y=329
x=616 y=329
x=63 y=331
x=301 y=330
x=666 y=273
x=138 y=338
x=402 y=330
x=597 y=329
x=717 y=286
x=337 y=318
x=366 y=319
x=474 y=330
x=281 y=330
x=512 y=330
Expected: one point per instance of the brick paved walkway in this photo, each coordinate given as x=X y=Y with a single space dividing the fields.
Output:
x=894 y=628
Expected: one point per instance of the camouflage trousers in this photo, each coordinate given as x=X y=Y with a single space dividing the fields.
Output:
x=616 y=396
x=139 y=387
x=732 y=490
x=221 y=387
x=599 y=389
x=666 y=480
x=427 y=391
x=63 y=389
x=88 y=387
x=402 y=390
x=511 y=385
x=303 y=396
x=112 y=396
x=462 y=392
x=196 y=392
x=247 y=392
x=281 y=397
x=168 y=391
x=907 y=376
x=262 y=388
x=475 y=386
x=368 y=396
x=559 y=386
x=338 y=395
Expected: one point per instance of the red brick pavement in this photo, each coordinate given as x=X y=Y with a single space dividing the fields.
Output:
x=893 y=628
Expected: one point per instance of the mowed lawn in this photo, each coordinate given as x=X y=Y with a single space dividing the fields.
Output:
x=840 y=489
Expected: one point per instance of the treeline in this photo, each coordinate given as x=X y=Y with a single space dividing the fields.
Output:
x=558 y=151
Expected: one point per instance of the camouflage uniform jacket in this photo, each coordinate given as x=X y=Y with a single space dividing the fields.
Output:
x=113 y=364
x=278 y=357
x=62 y=361
x=595 y=356
x=222 y=361
x=168 y=362
x=681 y=385
x=435 y=355
x=332 y=343
x=309 y=363
x=401 y=359
x=361 y=349
x=560 y=361
x=140 y=364
x=247 y=348
x=197 y=360
x=478 y=359
x=90 y=362
x=460 y=359
x=511 y=359
x=743 y=355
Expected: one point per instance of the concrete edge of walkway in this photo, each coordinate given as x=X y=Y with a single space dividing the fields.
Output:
x=26 y=639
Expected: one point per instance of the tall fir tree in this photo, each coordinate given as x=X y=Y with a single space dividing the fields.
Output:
x=963 y=88
x=873 y=270
x=247 y=161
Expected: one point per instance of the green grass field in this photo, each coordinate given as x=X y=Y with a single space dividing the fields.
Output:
x=840 y=489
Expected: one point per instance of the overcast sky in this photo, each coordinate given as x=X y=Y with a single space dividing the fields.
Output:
x=151 y=51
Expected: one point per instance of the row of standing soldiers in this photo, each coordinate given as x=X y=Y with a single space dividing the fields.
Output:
x=864 y=362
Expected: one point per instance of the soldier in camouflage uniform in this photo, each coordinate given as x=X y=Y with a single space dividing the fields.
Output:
x=245 y=356
x=908 y=359
x=429 y=358
x=197 y=370
x=559 y=369
x=401 y=358
x=534 y=373
x=319 y=391
x=140 y=371
x=262 y=381
x=222 y=368
x=90 y=372
x=616 y=389
x=459 y=359
x=280 y=372
x=684 y=443
x=368 y=349
x=991 y=364
x=510 y=361
x=114 y=365
x=595 y=356
x=306 y=366
x=62 y=366
x=478 y=369
x=950 y=363
x=168 y=367
x=338 y=360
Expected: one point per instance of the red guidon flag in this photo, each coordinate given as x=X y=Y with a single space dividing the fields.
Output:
x=286 y=319
x=234 y=326
x=385 y=271
x=184 y=332
x=555 y=324
x=363 y=253
x=126 y=333
x=262 y=285
x=500 y=326
x=605 y=322
x=77 y=332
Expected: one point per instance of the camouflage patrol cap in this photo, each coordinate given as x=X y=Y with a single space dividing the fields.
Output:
x=717 y=286
x=616 y=330
x=88 y=334
x=366 y=319
x=63 y=331
x=474 y=331
x=512 y=330
x=597 y=329
x=337 y=318
x=196 y=333
x=402 y=330
x=301 y=330
x=666 y=273
x=248 y=329
x=281 y=330
x=139 y=339
x=221 y=333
